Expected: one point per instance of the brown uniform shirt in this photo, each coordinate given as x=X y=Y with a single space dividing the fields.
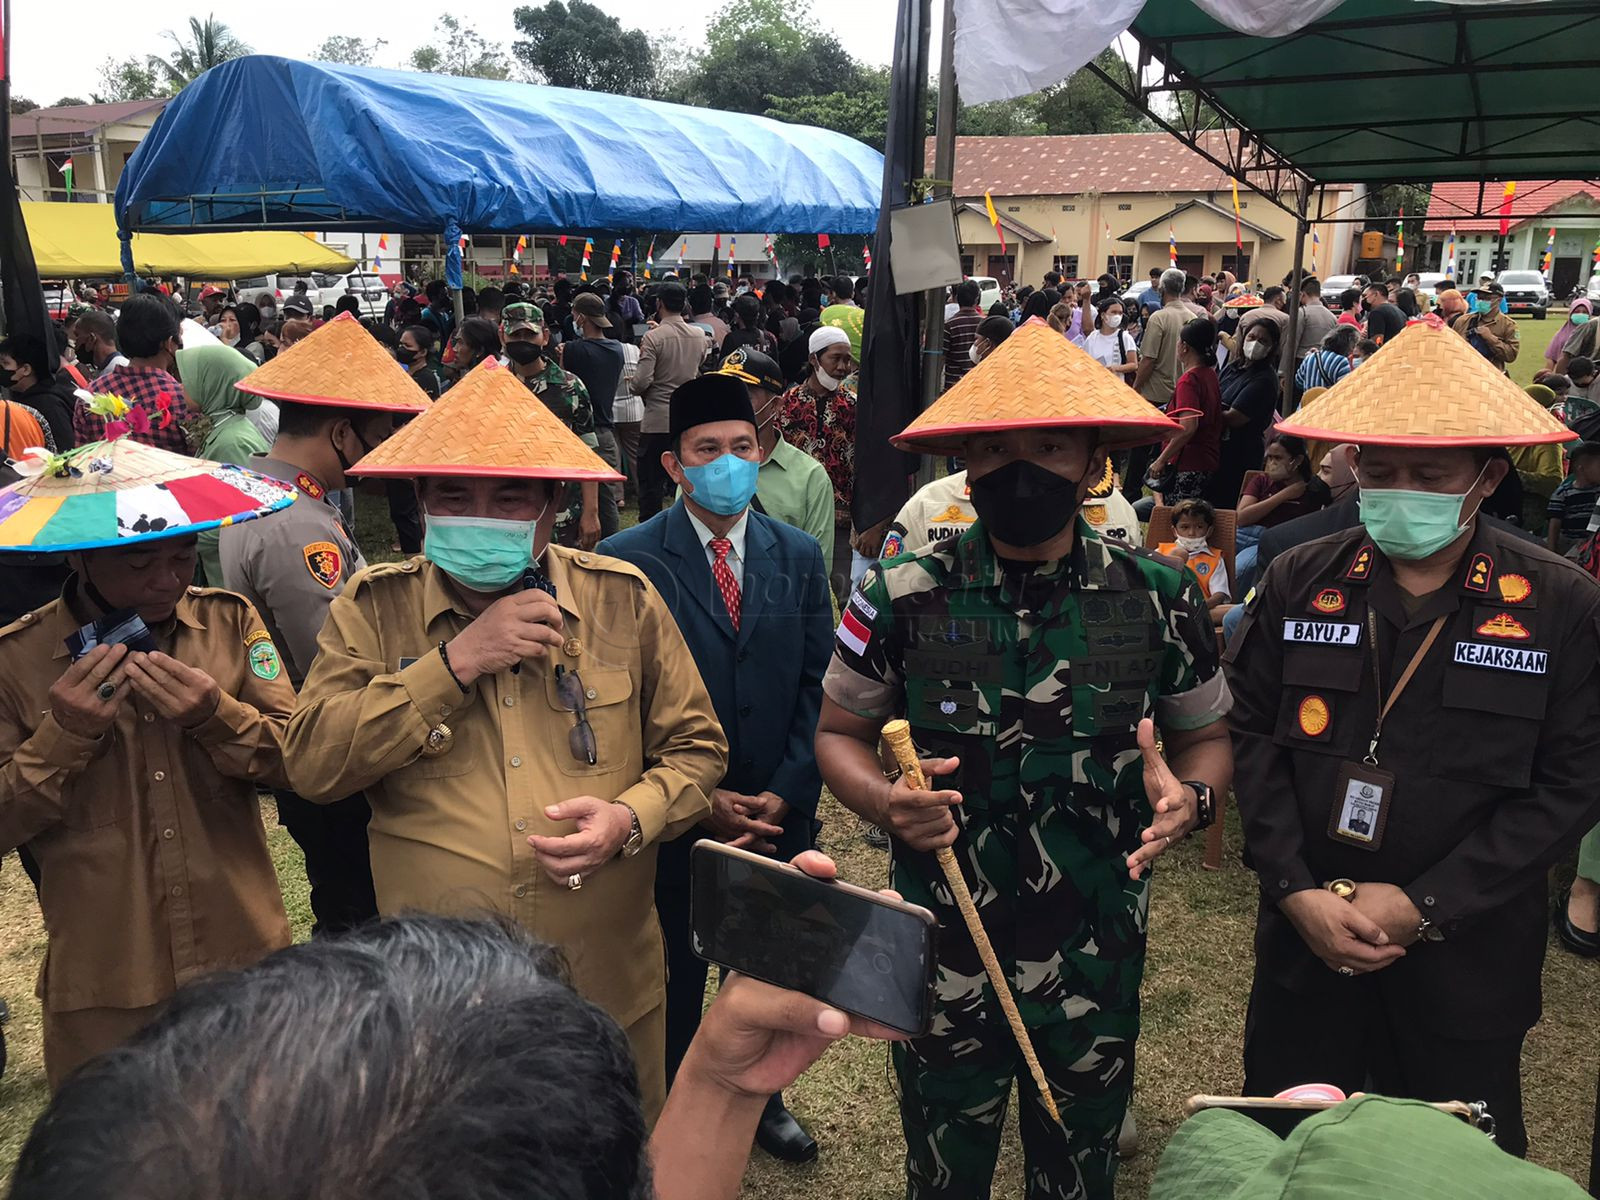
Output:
x=153 y=861
x=449 y=833
x=1492 y=744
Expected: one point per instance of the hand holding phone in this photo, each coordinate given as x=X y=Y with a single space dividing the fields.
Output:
x=866 y=953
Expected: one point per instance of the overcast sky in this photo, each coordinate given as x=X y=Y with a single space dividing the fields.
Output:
x=52 y=56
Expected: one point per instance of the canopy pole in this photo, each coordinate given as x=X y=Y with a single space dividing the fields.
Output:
x=944 y=173
x=1291 y=336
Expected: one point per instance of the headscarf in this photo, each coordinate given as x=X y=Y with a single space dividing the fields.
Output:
x=209 y=373
x=1553 y=353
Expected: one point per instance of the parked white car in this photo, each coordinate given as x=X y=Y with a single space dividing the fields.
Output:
x=988 y=291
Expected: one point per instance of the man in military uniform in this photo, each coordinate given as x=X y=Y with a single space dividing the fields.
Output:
x=1033 y=659
x=525 y=720
x=129 y=768
x=346 y=395
x=1416 y=701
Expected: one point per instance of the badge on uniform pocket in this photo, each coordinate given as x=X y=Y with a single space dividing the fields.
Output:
x=1361 y=803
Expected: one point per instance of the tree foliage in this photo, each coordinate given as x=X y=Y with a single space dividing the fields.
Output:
x=210 y=43
x=21 y=104
x=759 y=51
x=129 y=79
x=459 y=49
x=351 y=51
x=70 y=102
x=578 y=45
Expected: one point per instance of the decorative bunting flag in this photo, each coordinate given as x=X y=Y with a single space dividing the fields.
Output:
x=994 y=219
x=683 y=248
x=1450 y=254
x=465 y=242
x=377 y=259
x=650 y=257
x=66 y=174
x=1505 y=207
x=562 y=240
x=866 y=258
x=616 y=253
x=823 y=242
x=733 y=252
x=1172 y=245
x=772 y=254
x=1316 y=244
x=588 y=249
x=1238 y=220
x=1400 y=241
x=1597 y=252
x=1549 y=254
x=516 y=255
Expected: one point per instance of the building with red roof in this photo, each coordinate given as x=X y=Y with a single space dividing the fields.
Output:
x=1571 y=207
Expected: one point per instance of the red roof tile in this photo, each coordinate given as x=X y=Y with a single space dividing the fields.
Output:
x=1065 y=166
x=77 y=118
x=1450 y=201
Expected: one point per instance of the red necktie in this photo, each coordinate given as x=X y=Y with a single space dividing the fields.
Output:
x=723 y=574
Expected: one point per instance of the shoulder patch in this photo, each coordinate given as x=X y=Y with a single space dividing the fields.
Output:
x=324 y=562
x=588 y=560
x=265 y=661
x=210 y=592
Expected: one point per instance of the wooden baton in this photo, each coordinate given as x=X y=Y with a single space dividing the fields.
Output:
x=897 y=734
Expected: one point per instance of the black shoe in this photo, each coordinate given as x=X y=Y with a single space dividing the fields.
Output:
x=1580 y=942
x=781 y=1136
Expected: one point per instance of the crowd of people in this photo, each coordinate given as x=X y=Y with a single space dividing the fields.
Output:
x=536 y=709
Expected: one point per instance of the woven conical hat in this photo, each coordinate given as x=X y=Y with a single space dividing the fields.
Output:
x=340 y=364
x=488 y=425
x=1426 y=387
x=119 y=492
x=1036 y=379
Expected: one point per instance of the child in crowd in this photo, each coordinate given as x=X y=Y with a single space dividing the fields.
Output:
x=1573 y=502
x=1364 y=350
x=1581 y=372
x=1192 y=522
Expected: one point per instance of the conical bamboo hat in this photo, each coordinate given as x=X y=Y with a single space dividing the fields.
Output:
x=338 y=364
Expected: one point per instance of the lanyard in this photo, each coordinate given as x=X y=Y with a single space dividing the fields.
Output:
x=1400 y=684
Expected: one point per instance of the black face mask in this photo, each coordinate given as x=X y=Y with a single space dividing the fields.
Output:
x=6 y=378
x=1024 y=504
x=344 y=463
x=524 y=353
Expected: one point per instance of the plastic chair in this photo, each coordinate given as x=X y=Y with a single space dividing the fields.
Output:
x=1244 y=483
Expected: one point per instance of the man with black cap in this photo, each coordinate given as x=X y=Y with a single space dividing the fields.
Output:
x=793 y=487
x=742 y=588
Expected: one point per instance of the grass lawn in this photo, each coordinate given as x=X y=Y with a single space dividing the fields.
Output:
x=1193 y=1002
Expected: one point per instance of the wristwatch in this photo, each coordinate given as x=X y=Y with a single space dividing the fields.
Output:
x=1204 y=802
x=635 y=842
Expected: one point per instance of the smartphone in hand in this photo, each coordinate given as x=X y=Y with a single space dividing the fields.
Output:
x=863 y=953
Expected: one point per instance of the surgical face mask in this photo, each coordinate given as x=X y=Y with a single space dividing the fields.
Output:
x=1479 y=305
x=1409 y=525
x=1255 y=350
x=1192 y=545
x=1356 y=362
x=485 y=554
x=973 y=354
x=724 y=485
x=1580 y=318
x=1024 y=504
x=1114 y=321
x=828 y=382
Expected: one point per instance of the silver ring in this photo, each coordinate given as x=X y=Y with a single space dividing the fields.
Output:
x=106 y=690
x=1166 y=842
x=575 y=881
x=1346 y=971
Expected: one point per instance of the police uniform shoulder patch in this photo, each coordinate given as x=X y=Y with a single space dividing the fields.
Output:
x=1314 y=716
x=309 y=486
x=1504 y=625
x=1329 y=601
x=1479 y=572
x=1360 y=567
x=1514 y=589
x=325 y=563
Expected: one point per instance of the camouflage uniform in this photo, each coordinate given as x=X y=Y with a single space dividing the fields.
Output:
x=566 y=395
x=1037 y=682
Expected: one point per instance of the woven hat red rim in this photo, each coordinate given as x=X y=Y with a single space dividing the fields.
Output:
x=1420 y=441
x=327 y=401
x=1158 y=426
x=459 y=471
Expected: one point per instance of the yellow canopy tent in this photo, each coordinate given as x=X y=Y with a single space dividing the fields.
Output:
x=79 y=241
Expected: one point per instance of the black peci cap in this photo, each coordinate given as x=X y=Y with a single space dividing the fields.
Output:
x=708 y=398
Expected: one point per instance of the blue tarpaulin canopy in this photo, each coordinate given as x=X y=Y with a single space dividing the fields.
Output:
x=264 y=142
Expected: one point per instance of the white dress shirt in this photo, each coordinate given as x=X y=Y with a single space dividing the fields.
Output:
x=734 y=535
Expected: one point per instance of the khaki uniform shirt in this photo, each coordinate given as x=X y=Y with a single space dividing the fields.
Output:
x=153 y=861
x=292 y=566
x=669 y=355
x=449 y=832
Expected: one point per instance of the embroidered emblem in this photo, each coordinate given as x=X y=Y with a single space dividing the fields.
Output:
x=309 y=486
x=1514 y=589
x=1314 y=716
x=1479 y=571
x=1504 y=625
x=325 y=563
x=1330 y=601
x=1361 y=566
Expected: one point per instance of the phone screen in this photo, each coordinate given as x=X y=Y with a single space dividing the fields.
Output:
x=860 y=952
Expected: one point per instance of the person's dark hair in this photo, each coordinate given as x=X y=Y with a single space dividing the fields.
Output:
x=329 y=312
x=436 y=291
x=1000 y=309
x=469 y=302
x=967 y=293
x=1052 y=279
x=563 y=288
x=97 y=323
x=1295 y=448
x=389 y=337
x=747 y=311
x=1200 y=335
x=842 y=286
x=1194 y=508
x=1268 y=330
x=144 y=325
x=1311 y=286
x=1581 y=365
x=297 y=420
x=1366 y=347
x=29 y=350
x=1155 y=273
x=1274 y=293
x=1559 y=384
x=1039 y=305
x=408 y=312
x=1342 y=339
x=491 y=299
x=249 y=322
x=348 y=303
x=672 y=297
x=421 y=334
x=420 y=1057
x=996 y=328
x=1406 y=301
x=1024 y=292
x=481 y=336
x=1190 y=282
x=1349 y=299
x=700 y=299
x=1377 y=285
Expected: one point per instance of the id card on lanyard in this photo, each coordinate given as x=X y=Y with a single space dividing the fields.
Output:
x=1364 y=793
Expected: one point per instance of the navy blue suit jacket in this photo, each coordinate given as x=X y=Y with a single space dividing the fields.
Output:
x=765 y=680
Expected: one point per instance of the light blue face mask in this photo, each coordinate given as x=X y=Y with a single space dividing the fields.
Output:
x=481 y=553
x=1580 y=318
x=724 y=486
x=1409 y=525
